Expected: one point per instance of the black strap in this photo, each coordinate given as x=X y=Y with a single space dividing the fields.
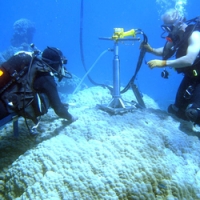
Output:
x=139 y=63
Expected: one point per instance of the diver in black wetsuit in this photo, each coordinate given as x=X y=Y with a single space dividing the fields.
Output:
x=46 y=84
x=43 y=83
x=183 y=41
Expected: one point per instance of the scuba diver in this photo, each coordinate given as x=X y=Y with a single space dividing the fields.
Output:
x=28 y=87
x=183 y=41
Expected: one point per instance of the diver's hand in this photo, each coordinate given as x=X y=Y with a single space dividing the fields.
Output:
x=156 y=63
x=73 y=119
x=69 y=121
x=147 y=47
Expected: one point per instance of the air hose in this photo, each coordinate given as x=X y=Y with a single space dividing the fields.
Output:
x=88 y=71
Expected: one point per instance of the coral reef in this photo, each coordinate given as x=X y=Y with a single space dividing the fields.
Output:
x=139 y=155
x=22 y=37
x=24 y=30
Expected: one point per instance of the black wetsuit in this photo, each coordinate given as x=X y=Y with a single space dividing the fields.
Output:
x=3 y=110
x=189 y=90
x=188 y=93
x=45 y=83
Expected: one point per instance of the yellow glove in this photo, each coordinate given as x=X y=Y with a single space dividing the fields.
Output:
x=147 y=47
x=156 y=63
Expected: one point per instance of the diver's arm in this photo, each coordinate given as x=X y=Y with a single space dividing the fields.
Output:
x=192 y=52
x=149 y=49
x=45 y=83
x=157 y=51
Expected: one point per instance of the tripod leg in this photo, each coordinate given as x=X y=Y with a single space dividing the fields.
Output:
x=138 y=95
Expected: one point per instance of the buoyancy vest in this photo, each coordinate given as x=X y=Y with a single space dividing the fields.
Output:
x=193 y=70
x=16 y=81
x=180 y=49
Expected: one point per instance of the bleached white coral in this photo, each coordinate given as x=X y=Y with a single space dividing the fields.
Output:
x=139 y=155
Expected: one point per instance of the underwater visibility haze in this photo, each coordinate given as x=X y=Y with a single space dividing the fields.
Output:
x=145 y=154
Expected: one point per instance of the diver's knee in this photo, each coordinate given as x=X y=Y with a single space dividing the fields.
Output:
x=193 y=113
x=180 y=113
x=172 y=109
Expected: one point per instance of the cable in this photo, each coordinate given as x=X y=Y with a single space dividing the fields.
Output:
x=139 y=63
x=142 y=54
x=81 y=51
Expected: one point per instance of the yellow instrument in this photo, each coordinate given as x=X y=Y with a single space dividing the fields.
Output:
x=119 y=33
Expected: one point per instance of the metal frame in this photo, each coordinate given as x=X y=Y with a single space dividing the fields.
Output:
x=117 y=105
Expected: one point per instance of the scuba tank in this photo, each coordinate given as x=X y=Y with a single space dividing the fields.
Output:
x=13 y=69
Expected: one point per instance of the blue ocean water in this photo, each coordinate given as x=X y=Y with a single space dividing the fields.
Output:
x=57 y=23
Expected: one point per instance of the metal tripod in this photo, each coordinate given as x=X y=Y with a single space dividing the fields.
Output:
x=117 y=105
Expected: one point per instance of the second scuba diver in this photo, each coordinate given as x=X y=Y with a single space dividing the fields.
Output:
x=183 y=41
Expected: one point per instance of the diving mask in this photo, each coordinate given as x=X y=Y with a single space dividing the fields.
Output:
x=64 y=60
x=173 y=26
x=166 y=28
x=62 y=73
